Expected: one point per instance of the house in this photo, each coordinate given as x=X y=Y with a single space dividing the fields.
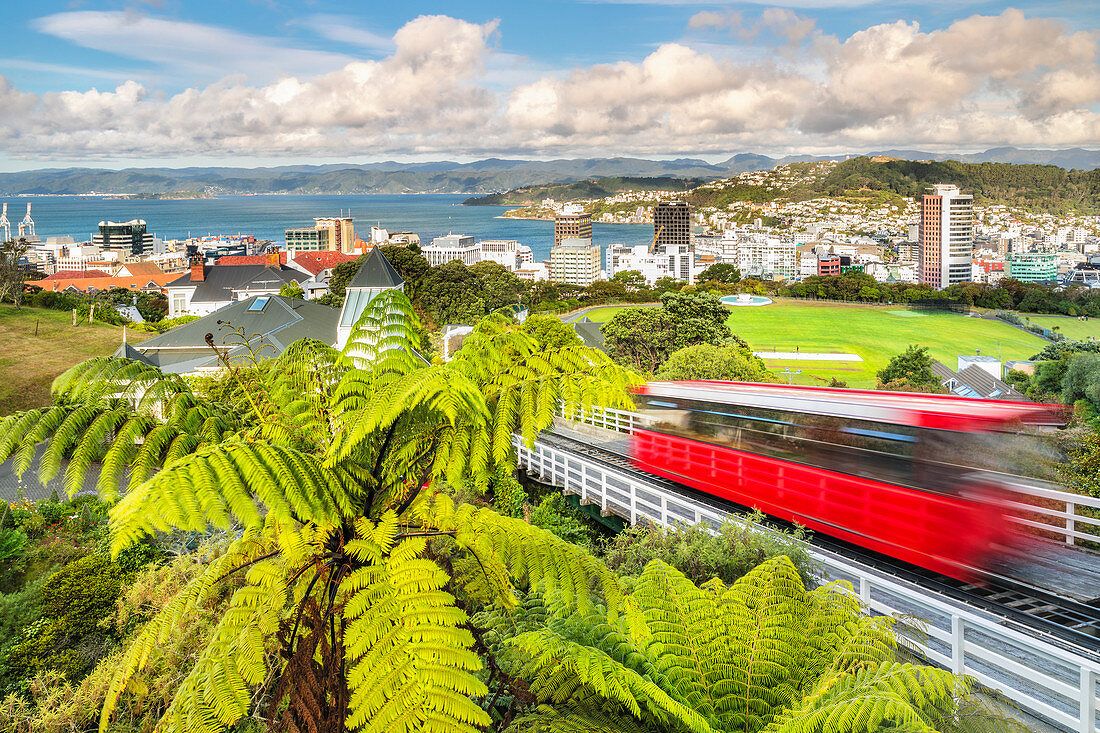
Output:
x=141 y=276
x=319 y=266
x=375 y=276
x=272 y=322
x=207 y=288
x=975 y=380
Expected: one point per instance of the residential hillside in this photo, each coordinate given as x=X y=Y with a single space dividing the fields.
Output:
x=593 y=188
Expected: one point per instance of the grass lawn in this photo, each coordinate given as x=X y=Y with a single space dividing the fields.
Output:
x=28 y=364
x=1070 y=326
x=874 y=333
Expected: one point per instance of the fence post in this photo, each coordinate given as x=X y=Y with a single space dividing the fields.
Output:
x=958 y=658
x=1088 y=700
x=1071 y=523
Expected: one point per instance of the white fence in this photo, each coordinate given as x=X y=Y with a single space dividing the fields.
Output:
x=1043 y=676
x=1056 y=514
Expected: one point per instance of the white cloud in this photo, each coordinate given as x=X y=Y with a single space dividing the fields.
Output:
x=444 y=90
x=187 y=49
x=343 y=29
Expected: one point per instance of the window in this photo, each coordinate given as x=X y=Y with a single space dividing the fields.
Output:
x=259 y=303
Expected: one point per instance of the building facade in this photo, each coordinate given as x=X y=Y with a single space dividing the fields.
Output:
x=672 y=225
x=1032 y=267
x=575 y=260
x=946 y=236
x=459 y=247
x=126 y=237
x=507 y=252
x=342 y=232
x=572 y=222
x=310 y=239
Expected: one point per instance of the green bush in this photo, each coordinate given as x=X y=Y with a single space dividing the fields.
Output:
x=135 y=557
x=738 y=547
x=73 y=602
x=52 y=513
x=555 y=514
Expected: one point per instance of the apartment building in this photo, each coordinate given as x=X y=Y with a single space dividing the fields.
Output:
x=946 y=236
x=341 y=232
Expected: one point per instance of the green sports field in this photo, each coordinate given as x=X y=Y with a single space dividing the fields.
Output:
x=874 y=333
x=1070 y=326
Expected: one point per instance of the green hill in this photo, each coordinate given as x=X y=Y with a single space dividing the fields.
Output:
x=593 y=188
x=1045 y=188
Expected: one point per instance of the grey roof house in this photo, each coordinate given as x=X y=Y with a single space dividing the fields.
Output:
x=271 y=322
x=206 y=288
x=374 y=276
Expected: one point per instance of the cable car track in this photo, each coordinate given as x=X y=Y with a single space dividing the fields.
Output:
x=1015 y=602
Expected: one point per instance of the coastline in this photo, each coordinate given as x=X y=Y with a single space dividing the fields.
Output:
x=550 y=218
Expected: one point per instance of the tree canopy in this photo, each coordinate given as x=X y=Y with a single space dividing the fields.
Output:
x=910 y=371
x=707 y=361
x=644 y=338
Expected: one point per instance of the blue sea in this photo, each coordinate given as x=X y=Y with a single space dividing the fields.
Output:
x=266 y=217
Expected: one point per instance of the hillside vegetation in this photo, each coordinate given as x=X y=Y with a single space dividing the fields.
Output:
x=1039 y=187
x=593 y=188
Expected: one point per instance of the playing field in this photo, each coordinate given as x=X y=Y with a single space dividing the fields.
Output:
x=1070 y=326
x=874 y=333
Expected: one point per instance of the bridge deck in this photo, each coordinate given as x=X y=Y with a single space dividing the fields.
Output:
x=1072 y=573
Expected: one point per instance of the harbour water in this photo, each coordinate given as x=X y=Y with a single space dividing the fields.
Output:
x=268 y=216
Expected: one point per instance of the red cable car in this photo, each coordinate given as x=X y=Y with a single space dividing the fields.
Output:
x=918 y=477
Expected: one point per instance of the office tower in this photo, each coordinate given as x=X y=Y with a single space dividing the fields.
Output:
x=946 y=236
x=342 y=230
x=572 y=221
x=127 y=237
x=309 y=239
x=459 y=247
x=671 y=225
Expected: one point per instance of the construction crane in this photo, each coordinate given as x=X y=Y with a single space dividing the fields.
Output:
x=26 y=227
x=5 y=225
x=656 y=236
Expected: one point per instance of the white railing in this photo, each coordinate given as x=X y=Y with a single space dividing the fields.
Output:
x=1056 y=514
x=1044 y=676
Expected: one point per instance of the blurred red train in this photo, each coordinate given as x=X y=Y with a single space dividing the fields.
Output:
x=919 y=477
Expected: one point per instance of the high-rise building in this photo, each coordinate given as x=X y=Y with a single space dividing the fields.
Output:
x=946 y=236
x=127 y=237
x=572 y=221
x=343 y=232
x=309 y=239
x=671 y=225
x=575 y=260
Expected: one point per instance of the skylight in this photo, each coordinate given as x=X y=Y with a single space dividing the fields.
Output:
x=259 y=303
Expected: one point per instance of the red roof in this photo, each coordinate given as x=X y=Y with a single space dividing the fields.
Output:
x=248 y=259
x=316 y=262
x=75 y=275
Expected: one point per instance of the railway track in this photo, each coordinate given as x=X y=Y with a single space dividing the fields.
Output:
x=1017 y=603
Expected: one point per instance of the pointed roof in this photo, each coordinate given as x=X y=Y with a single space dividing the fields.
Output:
x=375 y=272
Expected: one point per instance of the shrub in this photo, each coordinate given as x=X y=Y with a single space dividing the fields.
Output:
x=738 y=547
x=555 y=514
x=52 y=513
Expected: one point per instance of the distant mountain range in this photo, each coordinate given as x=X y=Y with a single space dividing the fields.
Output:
x=480 y=177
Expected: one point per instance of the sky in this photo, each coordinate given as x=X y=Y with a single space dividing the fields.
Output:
x=264 y=82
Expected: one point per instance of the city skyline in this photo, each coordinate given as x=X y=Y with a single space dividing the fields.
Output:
x=239 y=83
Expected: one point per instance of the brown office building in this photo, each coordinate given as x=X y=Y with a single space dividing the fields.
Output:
x=672 y=224
x=575 y=224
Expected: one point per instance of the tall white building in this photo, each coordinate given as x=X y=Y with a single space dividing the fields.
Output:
x=452 y=247
x=767 y=257
x=506 y=252
x=946 y=236
x=575 y=260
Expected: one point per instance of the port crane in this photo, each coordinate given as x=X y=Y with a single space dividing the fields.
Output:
x=5 y=225
x=26 y=227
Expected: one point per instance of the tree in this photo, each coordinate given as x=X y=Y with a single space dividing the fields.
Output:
x=292 y=290
x=721 y=272
x=707 y=361
x=356 y=564
x=763 y=654
x=630 y=279
x=499 y=287
x=410 y=264
x=645 y=337
x=451 y=293
x=910 y=371
x=550 y=332
x=12 y=274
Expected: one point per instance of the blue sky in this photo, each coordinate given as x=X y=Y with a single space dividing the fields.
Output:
x=244 y=82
